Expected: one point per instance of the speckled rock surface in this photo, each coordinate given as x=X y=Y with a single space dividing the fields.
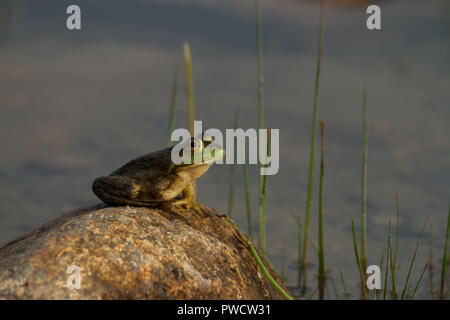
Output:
x=133 y=253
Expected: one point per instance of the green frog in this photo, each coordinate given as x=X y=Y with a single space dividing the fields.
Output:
x=154 y=179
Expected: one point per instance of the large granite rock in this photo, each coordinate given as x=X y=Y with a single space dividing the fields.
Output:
x=133 y=253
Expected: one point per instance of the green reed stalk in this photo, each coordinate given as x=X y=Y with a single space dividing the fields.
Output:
x=313 y=144
x=172 y=105
x=444 y=260
x=358 y=260
x=320 y=232
x=364 y=181
x=394 y=294
x=419 y=281
x=190 y=86
x=262 y=179
x=394 y=257
x=381 y=271
x=299 y=247
x=266 y=272
x=431 y=264
x=346 y=293
x=232 y=170
x=262 y=203
x=397 y=229
x=335 y=290
x=389 y=254
x=247 y=202
x=413 y=259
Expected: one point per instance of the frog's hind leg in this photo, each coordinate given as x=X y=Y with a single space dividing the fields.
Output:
x=119 y=190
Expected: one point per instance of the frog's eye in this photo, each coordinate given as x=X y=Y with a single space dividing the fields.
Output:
x=207 y=138
x=196 y=145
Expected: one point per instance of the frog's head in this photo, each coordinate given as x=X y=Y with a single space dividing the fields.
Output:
x=203 y=153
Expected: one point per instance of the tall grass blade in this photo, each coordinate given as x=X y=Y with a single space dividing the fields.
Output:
x=431 y=264
x=232 y=170
x=413 y=259
x=364 y=181
x=260 y=79
x=313 y=144
x=397 y=230
x=190 y=86
x=320 y=232
x=262 y=202
x=247 y=202
x=358 y=261
x=346 y=293
x=389 y=255
x=419 y=281
x=444 y=260
x=173 y=100
x=266 y=272
x=335 y=289
x=381 y=271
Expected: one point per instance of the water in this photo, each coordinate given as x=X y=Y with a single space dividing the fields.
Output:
x=77 y=105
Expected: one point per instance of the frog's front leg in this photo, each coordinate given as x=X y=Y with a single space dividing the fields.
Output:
x=189 y=199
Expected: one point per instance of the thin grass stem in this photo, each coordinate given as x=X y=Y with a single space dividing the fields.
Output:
x=419 y=281
x=444 y=260
x=322 y=276
x=232 y=170
x=312 y=146
x=190 y=86
x=358 y=260
x=173 y=100
x=364 y=182
x=413 y=259
x=389 y=254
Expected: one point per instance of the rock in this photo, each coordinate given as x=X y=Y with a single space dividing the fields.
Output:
x=133 y=253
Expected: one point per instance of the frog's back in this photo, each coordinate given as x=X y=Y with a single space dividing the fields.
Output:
x=157 y=162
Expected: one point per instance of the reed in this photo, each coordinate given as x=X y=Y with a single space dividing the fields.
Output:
x=190 y=86
x=260 y=94
x=341 y=275
x=389 y=255
x=358 y=261
x=232 y=170
x=173 y=100
x=262 y=203
x=431 y=264
x=393 y=257
x=312 y=146
x=364 y=182
x=412 y=261
x=247 y=202
x=444 y=260
x=266 y=272
x=322 y=276
x=419 y=281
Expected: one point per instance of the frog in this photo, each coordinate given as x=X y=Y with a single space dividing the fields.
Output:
x=154 y=179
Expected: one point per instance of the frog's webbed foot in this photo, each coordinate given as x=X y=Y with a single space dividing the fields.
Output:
x=188 y=204
x=189 y=200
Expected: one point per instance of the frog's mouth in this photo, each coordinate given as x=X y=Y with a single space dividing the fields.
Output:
x=209 y=154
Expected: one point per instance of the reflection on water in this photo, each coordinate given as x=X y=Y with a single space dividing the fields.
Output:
x=76 y=105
